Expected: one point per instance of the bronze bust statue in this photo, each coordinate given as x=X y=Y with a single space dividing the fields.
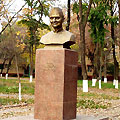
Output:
x=58 y=37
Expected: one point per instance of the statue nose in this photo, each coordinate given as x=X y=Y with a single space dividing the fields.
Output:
x=54 y=19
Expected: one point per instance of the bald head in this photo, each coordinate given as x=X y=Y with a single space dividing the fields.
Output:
x=56 y=19
x=56 y=11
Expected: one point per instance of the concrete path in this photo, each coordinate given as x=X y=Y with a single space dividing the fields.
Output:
x=79 y=117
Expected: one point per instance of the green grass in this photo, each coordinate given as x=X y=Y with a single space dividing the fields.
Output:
x=108 y=97
x=11 y=86
x=11 y=101
x=104 y=85
x=89 y=95
x=98 y=95
x=95 y=100
x=91 y=104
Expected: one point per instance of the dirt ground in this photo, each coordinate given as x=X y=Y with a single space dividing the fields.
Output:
x=113 y=111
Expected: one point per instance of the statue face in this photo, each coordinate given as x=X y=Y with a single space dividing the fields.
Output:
x=56 y=18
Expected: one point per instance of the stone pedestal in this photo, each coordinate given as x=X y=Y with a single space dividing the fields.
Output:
x=56 y=84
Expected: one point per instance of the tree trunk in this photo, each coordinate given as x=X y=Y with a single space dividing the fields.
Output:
x=95 y=71
x=98 y=63
x=105 y=66
x=68 y=16
x=116 y=64
x=3 y=64
x=9 y=64
x=100 y=69
x=100 y=66
x=82 y=43
x=119 y=33
x=17 y=69
x=31 y=62
x=82 y=25
x=83 y=61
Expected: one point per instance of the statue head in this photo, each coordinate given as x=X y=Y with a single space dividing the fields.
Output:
x=56 y=19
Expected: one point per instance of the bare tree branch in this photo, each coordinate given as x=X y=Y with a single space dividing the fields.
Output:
x=41 y=10
x=12 y=18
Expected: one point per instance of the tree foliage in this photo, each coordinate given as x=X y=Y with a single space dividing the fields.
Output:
x=98 y=18
x=32 y=19
x=82 y=12
x=11 y=45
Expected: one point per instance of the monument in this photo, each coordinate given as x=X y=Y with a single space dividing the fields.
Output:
x=56 y=73
x=58 y=37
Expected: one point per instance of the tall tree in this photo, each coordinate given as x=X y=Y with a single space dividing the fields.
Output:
x=82 y=24
x=113 y=23
x=98 y=18
x=68 y=15
x=35 y=8
x=119 y=28
x=119 y=17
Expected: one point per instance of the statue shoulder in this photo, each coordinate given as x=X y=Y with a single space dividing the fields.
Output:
x=70 y=35
x=57 y=38
x=44 y=39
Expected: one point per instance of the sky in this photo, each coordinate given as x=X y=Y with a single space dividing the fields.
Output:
x=58 y=3
x=17 y=4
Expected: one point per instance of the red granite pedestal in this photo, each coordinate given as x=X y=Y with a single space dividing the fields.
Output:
x=56 y=84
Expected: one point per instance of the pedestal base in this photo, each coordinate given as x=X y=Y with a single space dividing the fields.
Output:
x=56 y=84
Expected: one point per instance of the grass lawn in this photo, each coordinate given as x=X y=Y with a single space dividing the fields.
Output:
x=11 y=86
x=11 y=101
x=104 y=85
x=95 y=98
x=84 y=100
x=99 y=93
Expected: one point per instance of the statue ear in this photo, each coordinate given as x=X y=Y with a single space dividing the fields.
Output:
x=63 y=18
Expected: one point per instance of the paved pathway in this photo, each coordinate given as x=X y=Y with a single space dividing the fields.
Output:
x=79 y=117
